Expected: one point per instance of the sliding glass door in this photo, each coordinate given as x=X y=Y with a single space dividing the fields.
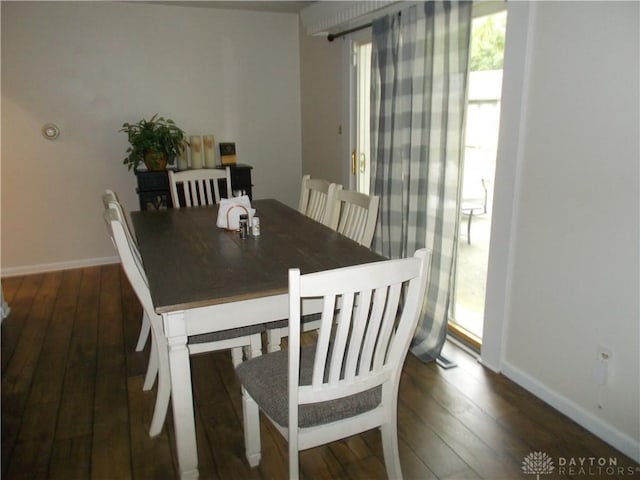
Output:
x=481 y=143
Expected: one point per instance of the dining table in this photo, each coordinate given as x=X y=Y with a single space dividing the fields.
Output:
x=203 y=278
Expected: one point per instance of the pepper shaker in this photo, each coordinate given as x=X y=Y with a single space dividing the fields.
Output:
x=244 y=226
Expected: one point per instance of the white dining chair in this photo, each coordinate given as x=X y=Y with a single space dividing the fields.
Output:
x=109 y=197
x=356 y=216
x=347 y=382
x=473 y=205
x=318 y=199
x=200 y=186
x=234 y=339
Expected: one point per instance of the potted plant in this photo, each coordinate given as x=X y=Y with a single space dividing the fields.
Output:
x=156 y=142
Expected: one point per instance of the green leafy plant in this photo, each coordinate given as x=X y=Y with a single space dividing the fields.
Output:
x=155 y=142
x=487 y=42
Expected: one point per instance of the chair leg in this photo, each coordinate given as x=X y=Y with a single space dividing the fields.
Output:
x=236 y=356
x=152 y=368
x=164 y=384
x=162 y=402
x=274 y=338
x=469 y=227
x=251 y=418
x=389 y=432
x=256 y=345
x=294 y=461
x=145 y=328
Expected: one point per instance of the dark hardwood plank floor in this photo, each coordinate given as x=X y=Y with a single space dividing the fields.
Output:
x=73 y=405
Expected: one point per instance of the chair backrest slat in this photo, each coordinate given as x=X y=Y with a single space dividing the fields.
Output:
x=187 y=186
x=207 y=186
x=375 y=319
x=322 y=350
x=361 y=314
x=342 y=335
x=386 y=328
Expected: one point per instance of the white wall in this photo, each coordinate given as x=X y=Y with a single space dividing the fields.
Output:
x=322 y=101
x=89 y=67
x=572 y=276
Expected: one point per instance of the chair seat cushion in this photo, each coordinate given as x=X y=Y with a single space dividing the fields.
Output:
x=266 y=379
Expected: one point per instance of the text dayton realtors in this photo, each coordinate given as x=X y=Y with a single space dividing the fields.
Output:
x=593 y=466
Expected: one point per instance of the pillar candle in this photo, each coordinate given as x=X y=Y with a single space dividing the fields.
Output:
x=183 y=158
x=196 y=151
x=209 y=161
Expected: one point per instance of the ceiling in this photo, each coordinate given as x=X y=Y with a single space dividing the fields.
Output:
x=262 y=6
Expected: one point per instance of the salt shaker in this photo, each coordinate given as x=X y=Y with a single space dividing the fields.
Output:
x=255 y=226
x=244 y=226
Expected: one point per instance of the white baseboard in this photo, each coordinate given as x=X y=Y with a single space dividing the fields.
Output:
x=586 y=419
x=48 y=267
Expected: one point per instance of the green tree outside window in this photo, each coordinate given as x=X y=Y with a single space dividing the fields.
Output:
x=487 y=42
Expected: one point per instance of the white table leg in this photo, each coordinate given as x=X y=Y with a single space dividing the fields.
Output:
x=181 y=395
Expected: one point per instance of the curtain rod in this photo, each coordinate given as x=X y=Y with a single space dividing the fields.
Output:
x=332 y=36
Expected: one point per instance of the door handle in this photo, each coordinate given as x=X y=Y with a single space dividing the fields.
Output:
x=353 y=162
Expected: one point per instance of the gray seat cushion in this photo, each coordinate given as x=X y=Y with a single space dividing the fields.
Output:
x=266 y=379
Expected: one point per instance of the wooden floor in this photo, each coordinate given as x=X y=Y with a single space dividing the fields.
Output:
x=73 y=405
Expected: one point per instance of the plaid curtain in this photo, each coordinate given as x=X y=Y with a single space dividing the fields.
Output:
x=418 y=95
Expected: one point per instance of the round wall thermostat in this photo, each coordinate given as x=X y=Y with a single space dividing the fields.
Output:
x=50 y=131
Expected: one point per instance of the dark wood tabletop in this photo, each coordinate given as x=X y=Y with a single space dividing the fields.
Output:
x=190 y=262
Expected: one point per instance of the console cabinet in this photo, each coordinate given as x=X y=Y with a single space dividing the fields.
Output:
x=153 y=187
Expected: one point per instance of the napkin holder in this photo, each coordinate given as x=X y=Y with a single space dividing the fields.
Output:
x=230 y=209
